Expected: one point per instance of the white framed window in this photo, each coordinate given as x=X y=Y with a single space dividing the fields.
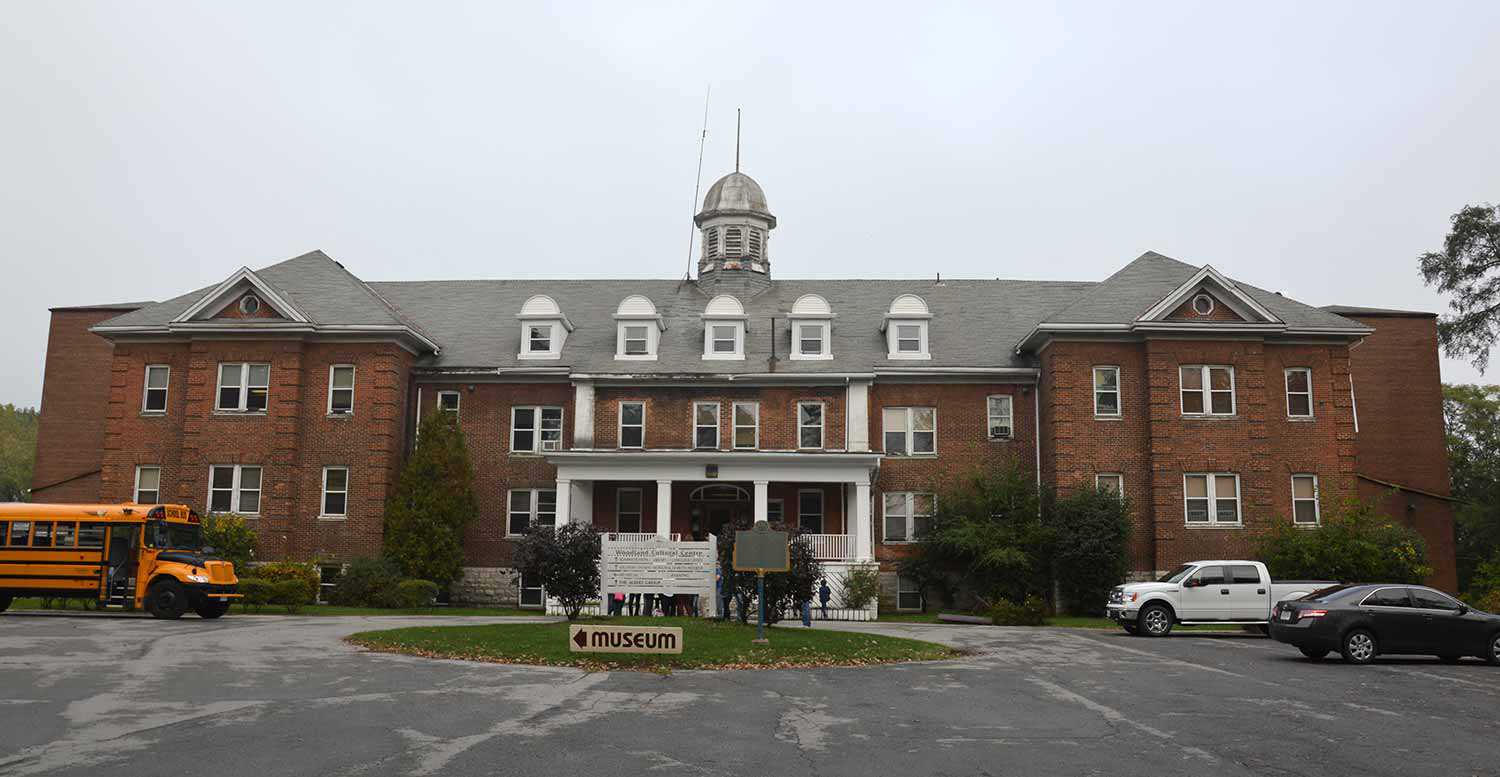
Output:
x=810 y=340
x=528 y=507
x=335 y=492
x=636 y=341
x=1107 y=391
x=536 y=429
x=243 y=387
x=147 y=485
x=906 y=328
x=746 y=425
x=775 y=510
x=628 y=503
x=906 y=516
x=706 y=425
x=448 y=401
x=810 y=425
x=1211 y=498
x=632 y=425
x=341 y=389
x=724 y=340
x=810 y=510
x=539 y=338
x=154 y=394
x=1207 y=389
x=637 y=328
x=1203 y=305
x=249 y=304
x=908 y=594
x=1305 y=500
x=910 y=431
x=909 y=340
x=234 y=488
x=1299 y=400
x=1112 y=482
x=999 y=408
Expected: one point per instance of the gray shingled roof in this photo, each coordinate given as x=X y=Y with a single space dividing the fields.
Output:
x=1354 y=310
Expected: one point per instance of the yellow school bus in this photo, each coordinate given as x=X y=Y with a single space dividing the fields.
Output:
x=122 y=555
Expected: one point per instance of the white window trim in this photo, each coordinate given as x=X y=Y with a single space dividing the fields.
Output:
x=166 y=390
x=781 y=506
x=244 y=388
x=900 y=589
x=1213 y=501
x=798 y=354
x=536 y=430
x=910 y=431
x=620 y=424
x=456 y=395
x=323 y=513
x=135 y=495
x=892 y=341
x=822 y=426
x=653 y=338
x=1317 y=509
x=353 y=383
x=988 y=420
x=822 y=508
x=911 y=514
x=619 y=492
x=1286 y=380
x=735 y=426
x=1119 y=405
x=535 y=505
x=1207 y=392
x=1203 y=296
x=718 y=433
x=554 y=340
x=234 y=488
x=1119 y=478
x=708 y=339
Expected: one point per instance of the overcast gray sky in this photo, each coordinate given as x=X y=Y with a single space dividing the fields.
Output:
x=147 y=149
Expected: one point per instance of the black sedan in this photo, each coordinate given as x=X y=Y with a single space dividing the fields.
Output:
x=1364 y=621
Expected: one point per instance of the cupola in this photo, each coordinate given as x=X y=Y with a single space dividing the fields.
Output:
x=736 y=225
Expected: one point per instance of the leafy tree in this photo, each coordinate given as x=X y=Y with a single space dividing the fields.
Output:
x=1354 y=545
x=1472 y=415
x=432 y=505
x=231 y=538
x=17 y=452
x=1468 y=267
x=1092 y=527
x=986 y=536
x=565 y=560
x=785 y=591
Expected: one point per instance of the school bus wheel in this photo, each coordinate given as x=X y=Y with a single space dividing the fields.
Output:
x=166 y=599
x=210 y=609
x=5 y=600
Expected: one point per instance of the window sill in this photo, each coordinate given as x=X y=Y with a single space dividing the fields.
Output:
x=811 y=357
x=1210 y=417
x=1301 y=418
x=333 y=518
x=240 y=413
x=909 y=455
x=340 y=415
x=635 y=357
x=153 y=413
x=724 y=357
x=1317 y=525
x=1098 y=417
x=540 y=355
x=1008 y=438
x=1240 y=525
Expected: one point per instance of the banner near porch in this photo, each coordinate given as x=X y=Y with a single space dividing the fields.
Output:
x=589 y=638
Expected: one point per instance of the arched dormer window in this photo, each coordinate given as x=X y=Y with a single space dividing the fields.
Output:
x=812 y=328
x=638 y=328
x=724 y=324
x=905 y=328
x=544 y=328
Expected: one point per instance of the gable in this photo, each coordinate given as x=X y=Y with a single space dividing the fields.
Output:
x=1217 y=309
x=244 y=302
x=1227 y=296
x=242 y=296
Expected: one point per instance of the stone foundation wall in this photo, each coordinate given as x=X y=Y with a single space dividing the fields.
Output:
x=487 y=585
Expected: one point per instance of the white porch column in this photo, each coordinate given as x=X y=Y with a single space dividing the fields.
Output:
x=583 y=414
x=663 y=508
x=862 y=550
x=762 y=490
x=581 y=501
x=564 y=501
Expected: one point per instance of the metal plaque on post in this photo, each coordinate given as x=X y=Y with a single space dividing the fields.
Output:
x=761 y=550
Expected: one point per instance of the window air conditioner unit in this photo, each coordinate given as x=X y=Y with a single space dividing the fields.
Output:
x=551 y=445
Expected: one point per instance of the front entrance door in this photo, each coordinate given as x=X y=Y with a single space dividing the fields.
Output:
x=719 y=509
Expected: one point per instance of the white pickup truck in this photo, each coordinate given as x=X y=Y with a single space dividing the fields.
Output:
x=1228 y=592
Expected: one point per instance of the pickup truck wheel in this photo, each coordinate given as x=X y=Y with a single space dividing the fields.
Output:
x=1131 y=629
x=1155 y=620
x=1316 y=655
x=1359 y=647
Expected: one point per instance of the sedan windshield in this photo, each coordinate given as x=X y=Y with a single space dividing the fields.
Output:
x=1179 y=574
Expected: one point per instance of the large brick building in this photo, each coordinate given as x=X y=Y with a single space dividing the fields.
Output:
x=291 y=394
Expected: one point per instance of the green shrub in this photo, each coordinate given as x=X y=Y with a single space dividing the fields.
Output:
x=304 y=574
x=411 y=594
x=1489 y=603
x=1485 y=581
x=1032 y=611
x=365 y=583
x=1354 y=545
x=290 y=593
x=231 y=538
x=565 y=560
x=257 y=593
x=1092 y=528
x=859 y=587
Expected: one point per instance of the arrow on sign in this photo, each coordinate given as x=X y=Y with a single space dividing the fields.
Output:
x=581 y=638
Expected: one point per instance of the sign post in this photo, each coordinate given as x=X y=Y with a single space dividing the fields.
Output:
x=761 y=550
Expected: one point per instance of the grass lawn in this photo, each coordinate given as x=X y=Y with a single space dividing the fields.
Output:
x=315 y=609
x=706 y=645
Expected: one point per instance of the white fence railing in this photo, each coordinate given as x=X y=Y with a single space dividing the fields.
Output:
x=621 y=536
x=828 y=547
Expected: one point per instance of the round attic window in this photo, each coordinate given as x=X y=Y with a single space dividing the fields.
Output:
x=1203 y=304
x=249 y=304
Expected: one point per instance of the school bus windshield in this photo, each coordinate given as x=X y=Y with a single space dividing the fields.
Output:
x=175 y=536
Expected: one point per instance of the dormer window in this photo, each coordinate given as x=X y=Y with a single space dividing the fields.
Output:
x=724 y=328
x=638 y=329
x=812 y=325
x=543 y=328
x=906 y=328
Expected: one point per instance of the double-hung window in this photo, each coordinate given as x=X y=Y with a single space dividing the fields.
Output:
x=1299 y=393
x=810 y=425
x=910 y=431
x=746 y=425
x=243 y=387
x=1107 y=391
x=147 y=485
x=632 y=424
x=1305 y=500
x=706 y=425
x=909 y=338
x=341 y=389
x=628 y=503
x=538 y=338
x=536 y=429
x=635 y=340
x=448 y=402
x=234 y=488
x=811 y=339
x=810 y=511
x=1113 y=482
x=724 y=339
x=1211 y=498
x=531 y=507
x=999 y=408
x=906 y=515
x=154 y=399
x=335 y=492
x=1207 y=389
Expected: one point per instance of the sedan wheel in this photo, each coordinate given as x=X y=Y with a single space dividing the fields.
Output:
x=1156 y=621
x=1494 y=656
x=1359 y=647
x=1316 y=655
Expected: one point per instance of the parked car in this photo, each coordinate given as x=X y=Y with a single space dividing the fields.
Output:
x=1229 y=592
x=1365 y=621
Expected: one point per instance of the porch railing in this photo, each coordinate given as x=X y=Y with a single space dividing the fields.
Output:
x=635 y=536
x=828 y=547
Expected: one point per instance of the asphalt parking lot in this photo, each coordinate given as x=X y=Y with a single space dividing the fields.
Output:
x=264 y=696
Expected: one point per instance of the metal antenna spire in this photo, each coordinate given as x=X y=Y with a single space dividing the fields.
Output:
x=736 y=140
x=698 y=179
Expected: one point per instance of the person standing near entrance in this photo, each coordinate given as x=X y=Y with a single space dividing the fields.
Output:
x=823 y=596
